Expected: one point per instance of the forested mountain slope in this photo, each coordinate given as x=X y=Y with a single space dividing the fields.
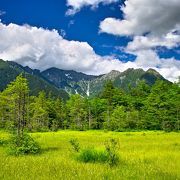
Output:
x=63 y=82
x=10 y=70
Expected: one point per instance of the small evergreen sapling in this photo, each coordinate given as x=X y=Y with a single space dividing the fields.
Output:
x=112 y=147
x=75 y=144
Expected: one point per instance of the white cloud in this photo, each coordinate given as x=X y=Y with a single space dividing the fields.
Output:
x=152 y=24
x=145 y=16
x=63 y=33
x=76 y=5
x=147 y=58
x=143 y=48
x=169 y=41
x=41 y=48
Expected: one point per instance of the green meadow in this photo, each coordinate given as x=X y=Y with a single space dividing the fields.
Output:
x=143 y=155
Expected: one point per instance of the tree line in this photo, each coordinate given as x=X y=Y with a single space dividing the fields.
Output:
x=143 y=107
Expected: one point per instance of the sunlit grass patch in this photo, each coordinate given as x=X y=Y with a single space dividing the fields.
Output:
x=154 y=156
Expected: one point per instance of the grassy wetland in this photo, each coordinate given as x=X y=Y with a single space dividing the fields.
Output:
x=143 y=155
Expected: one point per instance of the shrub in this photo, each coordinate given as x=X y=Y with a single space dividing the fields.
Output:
x=54 y=126
x=92 y=155
x=3 y=142
x=112 y=147
x=167 y=126
x=75 y=144
x=23 y=145
x=108 y=155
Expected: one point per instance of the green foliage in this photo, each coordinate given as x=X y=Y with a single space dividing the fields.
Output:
x=3 y=142
x=10 y=70
x=153 y=156
x=77 y=112
x=16 y=94
x=75 y=144
x=97 y=108
x=161 y=109
x=147 y=107
x=108 y=155
x=112 y=147
x=118 y=120
x=92 y=155
x=23 y=145
x=39 y=114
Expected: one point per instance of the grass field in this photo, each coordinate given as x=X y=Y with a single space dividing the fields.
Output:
x=143 y=155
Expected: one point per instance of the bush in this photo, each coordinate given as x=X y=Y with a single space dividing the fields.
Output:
x=92 y=155
x=23 y=145
x=75 y=144
x=3 y=142
x=167 y=126
x=112 y=147
x=108 y=155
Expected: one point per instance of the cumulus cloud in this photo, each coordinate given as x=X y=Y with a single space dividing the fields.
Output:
x=145 y=16
x=41 y=48
x=151 y=24
x=145 y=50
x=158 y=20
x=63 y=33
x=169 y=41
x=169 y=68
x=76 y=5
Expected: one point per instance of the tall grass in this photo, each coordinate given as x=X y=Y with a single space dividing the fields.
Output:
x=92 y=155
x=109 y=154
x=144 y=155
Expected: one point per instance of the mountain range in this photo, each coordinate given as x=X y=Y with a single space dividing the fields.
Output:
x=62 y=83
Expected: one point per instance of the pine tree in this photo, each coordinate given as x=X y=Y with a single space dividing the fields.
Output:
x=156 y=106
x=118 y=119
x=77 y=112
x=115 y=97
x=39 y=113
x=17 y=94
x=98 y=107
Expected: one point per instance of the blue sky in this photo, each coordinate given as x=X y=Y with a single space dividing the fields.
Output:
x=83 y=26
x=101 y=25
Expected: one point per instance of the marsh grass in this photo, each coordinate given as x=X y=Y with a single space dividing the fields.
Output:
x=92 y=155
x=154 y=156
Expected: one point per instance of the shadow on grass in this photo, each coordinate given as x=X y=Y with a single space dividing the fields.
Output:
x=48 y=149
x=129 y=134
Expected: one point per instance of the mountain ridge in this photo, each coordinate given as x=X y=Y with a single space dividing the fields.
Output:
x=9 y=70
x=72 y=82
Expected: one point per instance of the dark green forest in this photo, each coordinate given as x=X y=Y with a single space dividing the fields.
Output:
x=142 y=107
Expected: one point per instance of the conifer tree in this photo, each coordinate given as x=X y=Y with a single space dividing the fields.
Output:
x=16 y=95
